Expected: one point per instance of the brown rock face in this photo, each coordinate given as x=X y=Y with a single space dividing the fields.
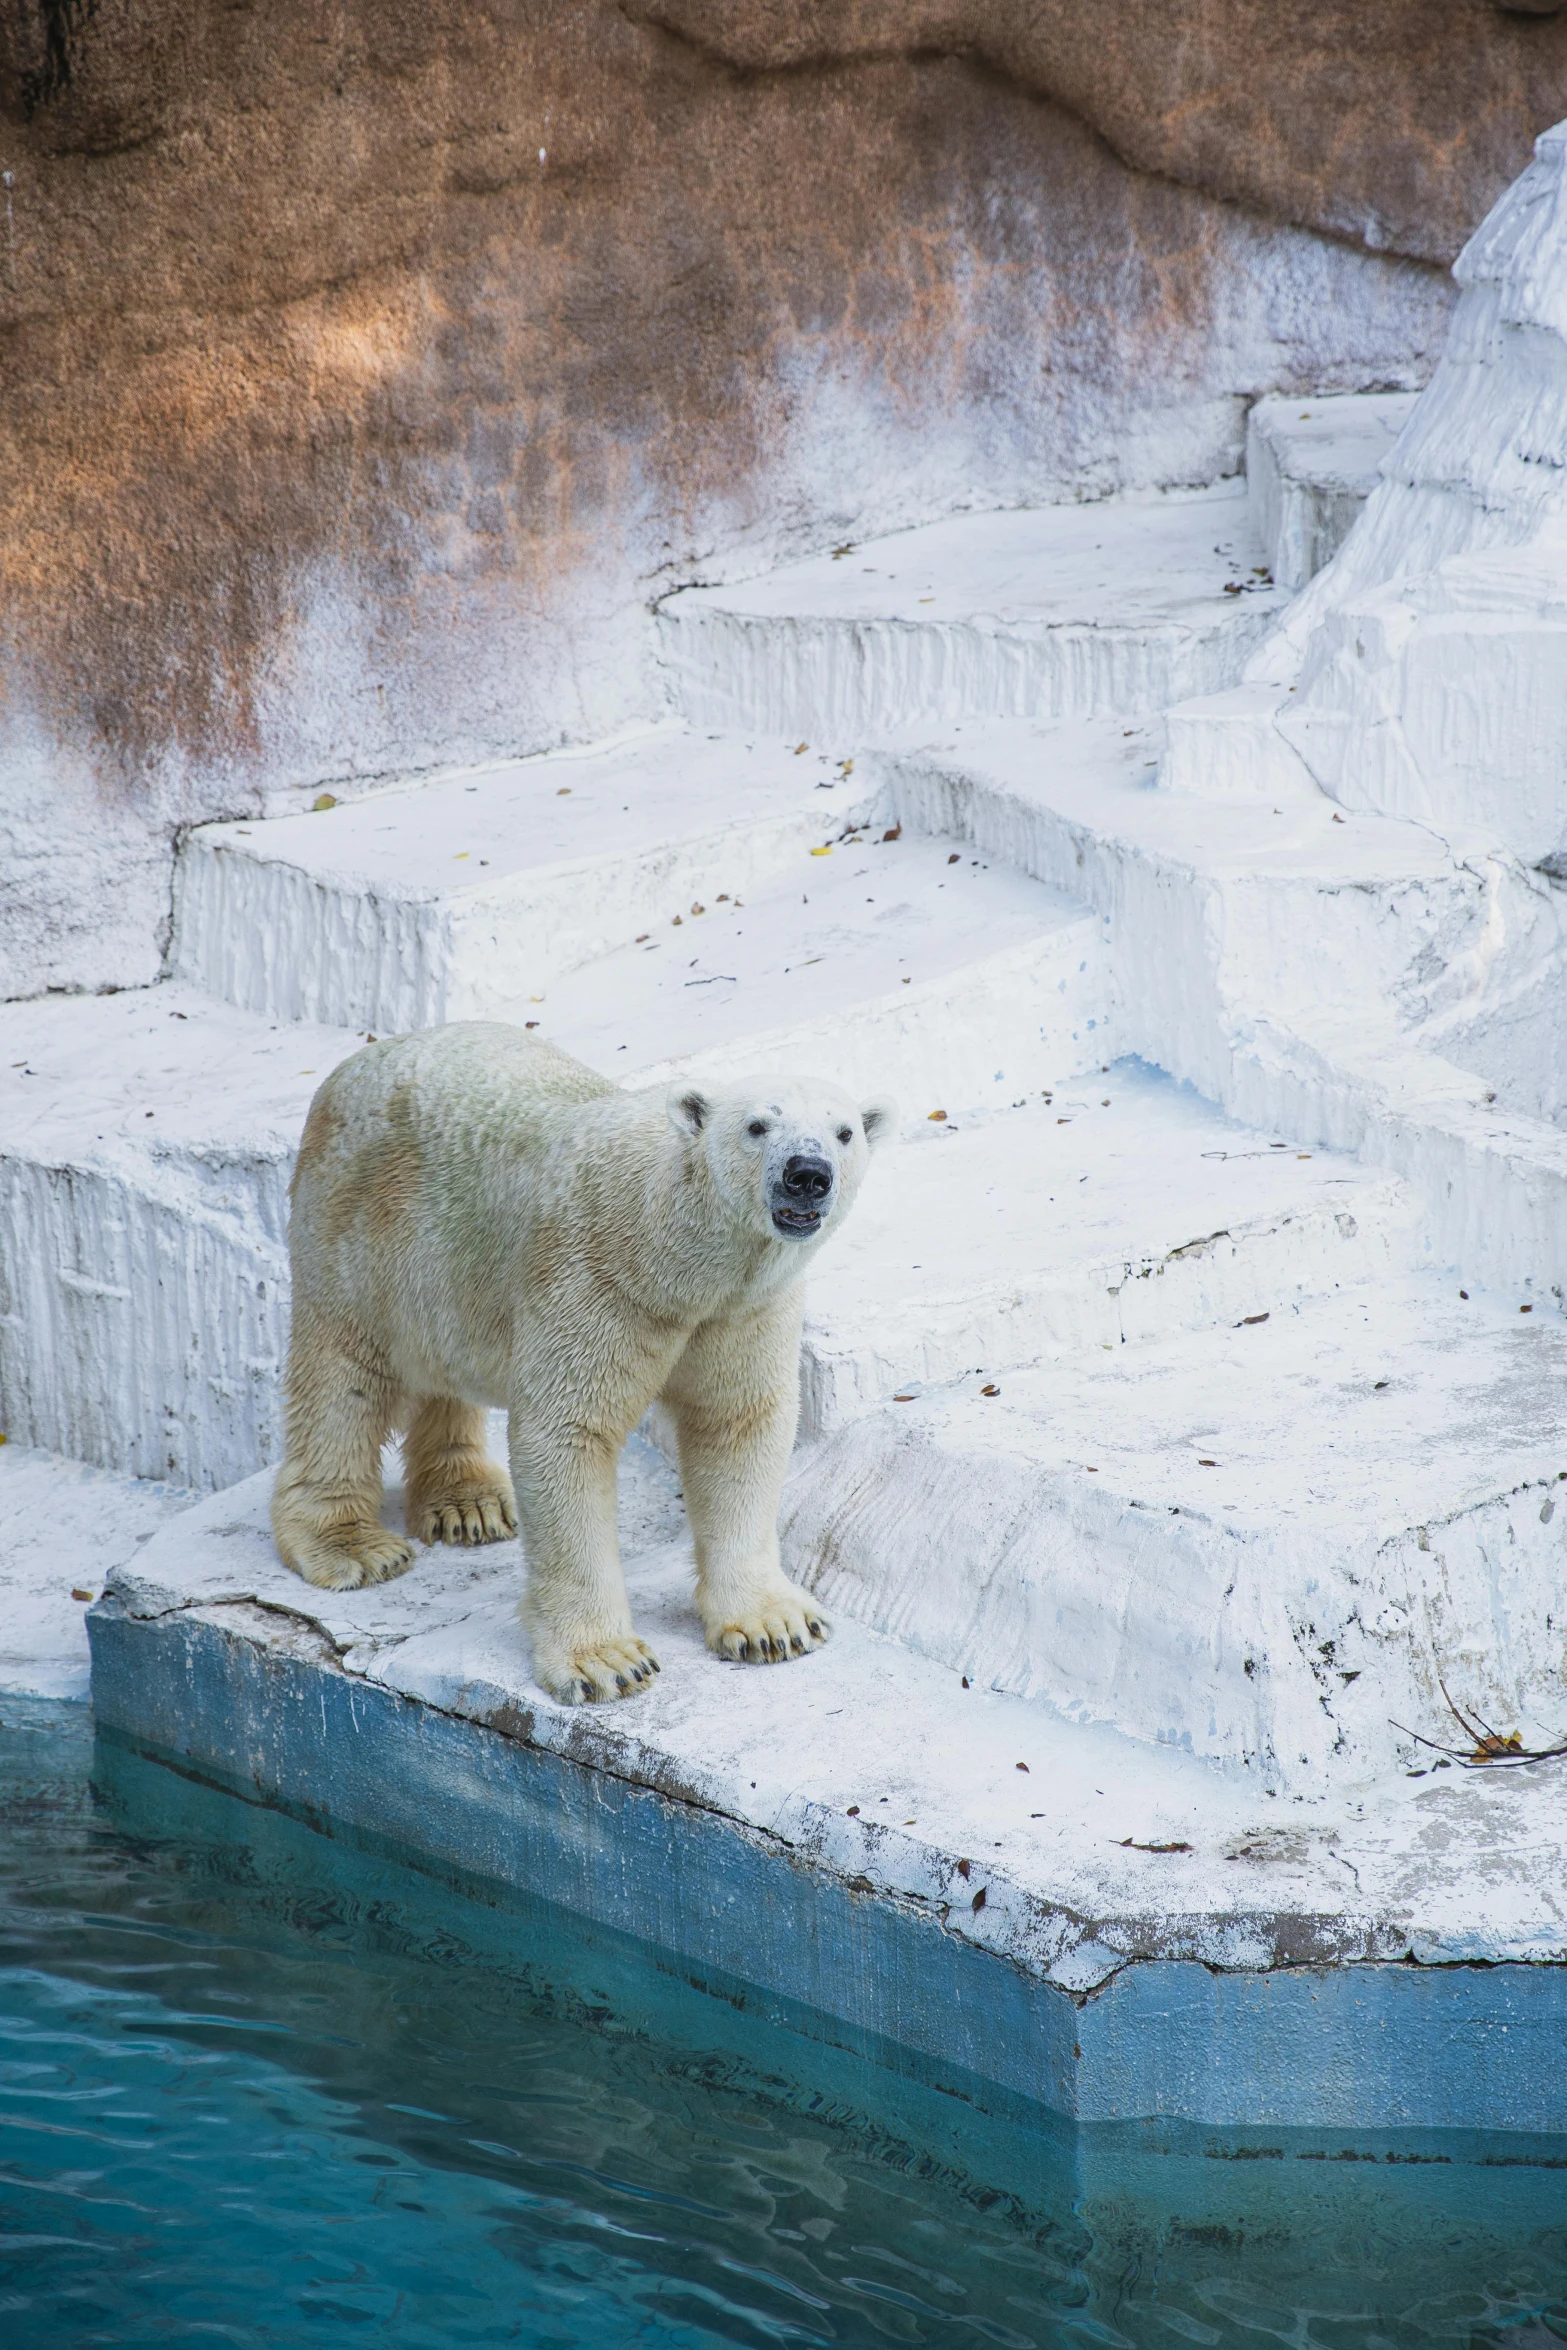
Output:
x=369 y=367
x=1393 y=123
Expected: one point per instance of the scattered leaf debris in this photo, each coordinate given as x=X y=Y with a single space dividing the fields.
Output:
x=1130 y=1844
x=1489 y=1749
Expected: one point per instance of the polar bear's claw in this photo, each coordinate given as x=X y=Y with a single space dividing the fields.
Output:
x=486 y=1514
x=596 y=1676
x=782 y=1628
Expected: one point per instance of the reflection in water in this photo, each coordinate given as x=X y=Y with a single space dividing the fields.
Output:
x=256 y=2088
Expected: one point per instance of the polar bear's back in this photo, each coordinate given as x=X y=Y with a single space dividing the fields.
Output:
x=438 y=1104
x=475 y=1076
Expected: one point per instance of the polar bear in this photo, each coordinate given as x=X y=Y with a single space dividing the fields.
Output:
x=480 y=1220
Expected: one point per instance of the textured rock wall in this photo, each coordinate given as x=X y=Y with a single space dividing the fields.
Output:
x=369 y=365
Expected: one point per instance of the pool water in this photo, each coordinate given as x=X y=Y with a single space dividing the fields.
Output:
x=260 y=2088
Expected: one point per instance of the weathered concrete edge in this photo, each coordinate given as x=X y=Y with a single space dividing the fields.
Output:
x=1363 y=2046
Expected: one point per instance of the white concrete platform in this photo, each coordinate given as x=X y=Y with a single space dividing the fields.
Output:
x=440 y=900
x=1311 y=464
x=1113 y=1209
x=1066 y=1849
x=1265 y=1543
x=1050 y=612
x=1347 y=979
x=63 y=1528
x=911 y=965
x=146 y=1145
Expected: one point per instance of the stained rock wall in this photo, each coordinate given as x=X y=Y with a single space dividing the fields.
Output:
x=370 y=367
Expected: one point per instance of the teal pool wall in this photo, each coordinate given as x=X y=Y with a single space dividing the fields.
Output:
x=1403 y=2049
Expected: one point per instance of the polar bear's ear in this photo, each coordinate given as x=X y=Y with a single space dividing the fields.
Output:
x=688 y=1109
x=880 y=1120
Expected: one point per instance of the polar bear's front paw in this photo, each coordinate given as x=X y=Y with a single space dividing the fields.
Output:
x=592 y=1676
x=366 y=1554
x=769 y=1630
x=482 y=1512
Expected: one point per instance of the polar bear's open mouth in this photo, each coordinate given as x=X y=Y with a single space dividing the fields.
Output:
x=797 y=1223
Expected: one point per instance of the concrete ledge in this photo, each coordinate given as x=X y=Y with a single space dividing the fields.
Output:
x=1135 y=1936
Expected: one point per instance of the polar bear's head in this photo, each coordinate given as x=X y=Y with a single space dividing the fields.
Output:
x=786 y=1154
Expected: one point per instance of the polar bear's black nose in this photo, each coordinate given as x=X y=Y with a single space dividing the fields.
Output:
x=805 y=1178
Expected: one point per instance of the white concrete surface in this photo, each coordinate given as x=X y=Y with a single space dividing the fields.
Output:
x=1266 y=1544
x=1114 y=1209
x=877 y=1766
x=1051 y=612
x=1311 y=464
x=146 y=1144
x=911 y=965
x=444 y=899
x=1349 y=980
x=64 y=1527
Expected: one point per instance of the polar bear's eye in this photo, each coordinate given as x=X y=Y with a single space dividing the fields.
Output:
x=757 y=1126
x=846 y=1135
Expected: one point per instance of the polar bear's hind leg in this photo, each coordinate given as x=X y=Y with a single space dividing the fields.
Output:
x=455 y=1492
x=326 y=1503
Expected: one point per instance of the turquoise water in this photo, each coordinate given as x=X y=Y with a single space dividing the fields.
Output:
x=256 y=2088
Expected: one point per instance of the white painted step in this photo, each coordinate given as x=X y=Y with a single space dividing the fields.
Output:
x=878 y=1765
x=1348 y=979
x=1265 y=1545
x=910 y=965
x=439 y=900
x=146 y=1145
x=1047 y=613
x=1312 y=461
x=64 y=1528
x=1118 y=1208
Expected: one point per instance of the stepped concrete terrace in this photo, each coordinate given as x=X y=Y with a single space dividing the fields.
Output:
x=1055 y=612
x=1348 y=979
x=1181 y=1437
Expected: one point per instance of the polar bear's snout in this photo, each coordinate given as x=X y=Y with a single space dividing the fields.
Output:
x=802 y=1193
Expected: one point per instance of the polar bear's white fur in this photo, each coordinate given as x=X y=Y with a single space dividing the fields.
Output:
x=479 y=1220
